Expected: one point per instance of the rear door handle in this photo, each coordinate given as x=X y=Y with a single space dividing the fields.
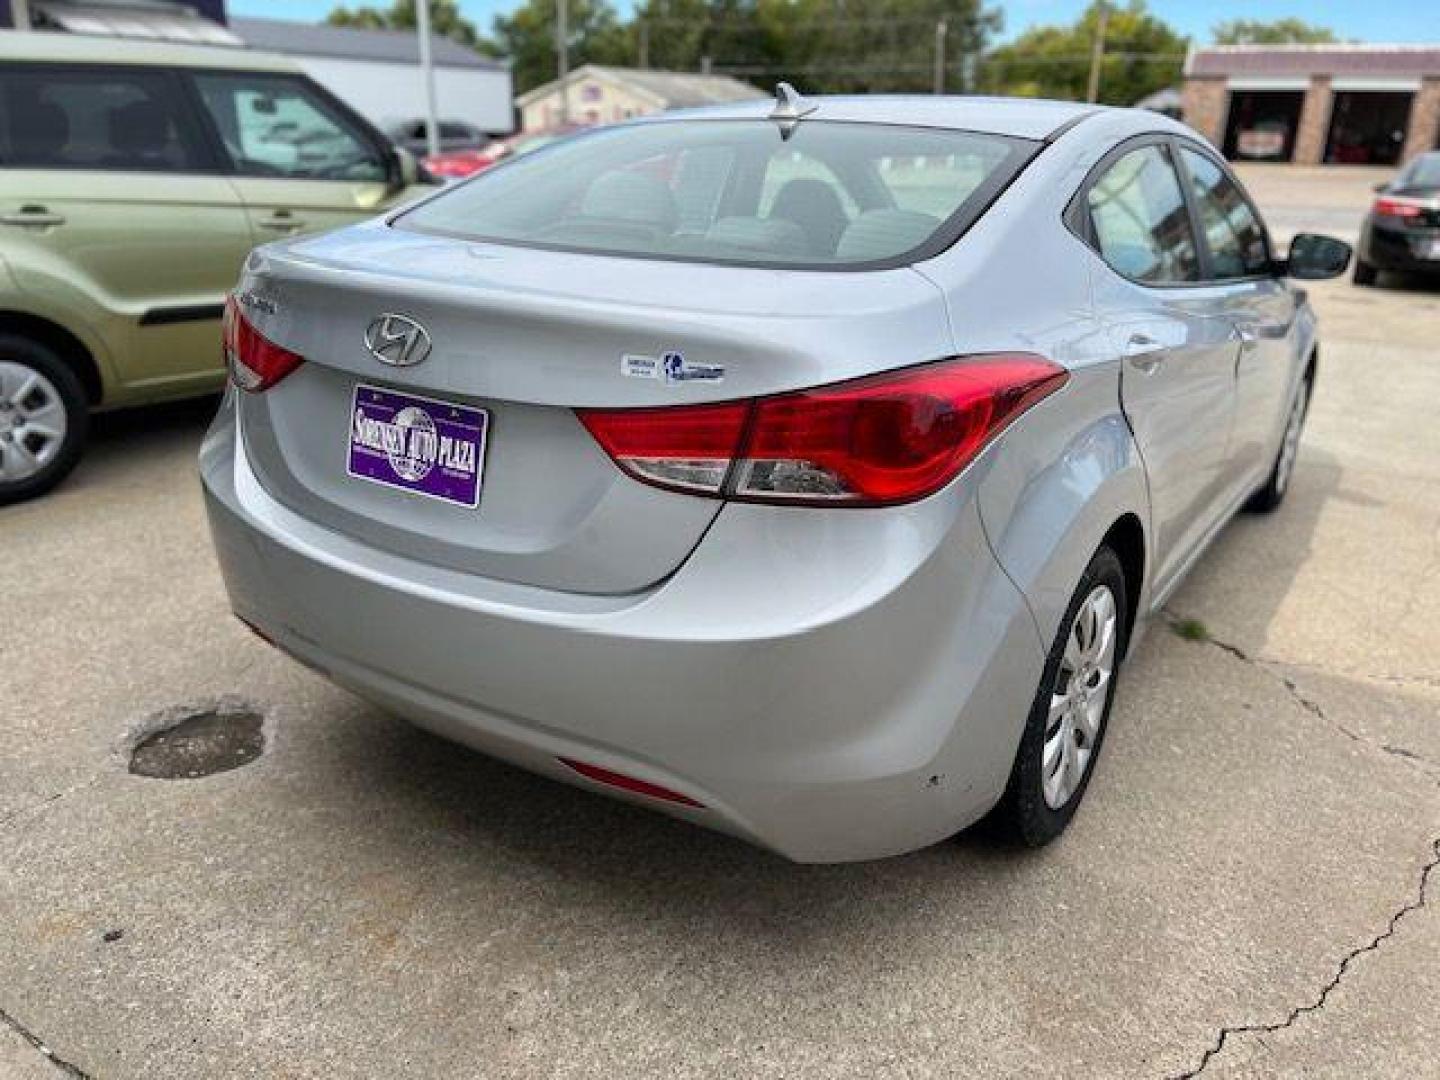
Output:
x=282 y=221
x=1145 y=353
x=32 y=217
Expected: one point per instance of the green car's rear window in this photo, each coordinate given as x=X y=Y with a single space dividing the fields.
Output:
x=832 y=195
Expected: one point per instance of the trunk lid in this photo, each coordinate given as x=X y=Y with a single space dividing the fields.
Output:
x=528 y=336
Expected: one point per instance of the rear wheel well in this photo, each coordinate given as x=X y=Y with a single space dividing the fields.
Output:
x=1127 y=539
x=69 y=348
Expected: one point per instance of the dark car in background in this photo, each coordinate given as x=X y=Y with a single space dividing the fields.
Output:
x=1402 y=230
x=455 y=135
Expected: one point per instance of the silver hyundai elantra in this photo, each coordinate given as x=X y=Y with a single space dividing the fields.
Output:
x=801 y=469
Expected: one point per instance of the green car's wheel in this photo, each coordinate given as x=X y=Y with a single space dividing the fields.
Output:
x=44 y=418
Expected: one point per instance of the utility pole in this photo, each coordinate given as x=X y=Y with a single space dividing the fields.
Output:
x=1097 y=51
x=562 y=57
x=644 y=44
x=20 y=14
x=942 y=28
x=427 y=72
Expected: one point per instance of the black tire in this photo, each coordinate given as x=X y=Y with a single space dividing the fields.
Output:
x=1364 y=274
x=1023 y=813
x=27 y=353
x=1270 y=495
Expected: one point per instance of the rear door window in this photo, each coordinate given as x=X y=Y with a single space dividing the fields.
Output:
x=1140 y=221
x=1233 y=233
x=73 y=117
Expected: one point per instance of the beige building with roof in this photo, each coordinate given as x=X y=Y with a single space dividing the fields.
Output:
x=604 y=95
x=1312 y=104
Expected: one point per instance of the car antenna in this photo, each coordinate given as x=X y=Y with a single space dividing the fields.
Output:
x=790 y=108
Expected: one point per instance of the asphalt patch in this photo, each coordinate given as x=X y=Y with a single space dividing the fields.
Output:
x=194 y=743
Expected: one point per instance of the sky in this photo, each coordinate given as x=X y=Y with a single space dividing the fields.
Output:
x=1361 y=20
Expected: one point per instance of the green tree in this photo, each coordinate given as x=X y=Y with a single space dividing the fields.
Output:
x=1142 y=54
x=1279 y=32
x=445 y=20
x=680 y=35
x=527 y=37
x=822 y=46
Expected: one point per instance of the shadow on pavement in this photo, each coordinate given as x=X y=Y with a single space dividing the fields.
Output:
x=1238 y=586
x=469 y=820
x=172 y=418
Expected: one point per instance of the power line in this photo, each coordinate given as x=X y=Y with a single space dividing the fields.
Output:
x=760 y=66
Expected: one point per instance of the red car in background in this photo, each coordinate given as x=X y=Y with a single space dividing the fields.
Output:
x=459 y=164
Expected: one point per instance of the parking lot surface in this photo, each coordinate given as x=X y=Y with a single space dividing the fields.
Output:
x=1250 y=889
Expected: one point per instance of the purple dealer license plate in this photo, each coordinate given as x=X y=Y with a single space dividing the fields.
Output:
x=417 y=444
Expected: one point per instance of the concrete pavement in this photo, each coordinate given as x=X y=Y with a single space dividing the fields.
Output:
x=1245 y=890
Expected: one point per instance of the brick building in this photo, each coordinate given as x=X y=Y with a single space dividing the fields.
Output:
x=1312 y=104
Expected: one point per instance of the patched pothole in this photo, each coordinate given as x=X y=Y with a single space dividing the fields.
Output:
x=187 y=743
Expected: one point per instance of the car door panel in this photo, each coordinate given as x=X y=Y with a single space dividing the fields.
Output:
x=1260 y=306
x=277 y=208
x=1263 y=313
x=1177 y=389
x=156 y=256
x=118 y=207
x=1173 y=337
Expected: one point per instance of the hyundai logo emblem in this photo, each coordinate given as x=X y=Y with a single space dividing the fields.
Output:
x=397 y=340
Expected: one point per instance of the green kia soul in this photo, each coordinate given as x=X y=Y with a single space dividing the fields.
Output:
x=134 y=179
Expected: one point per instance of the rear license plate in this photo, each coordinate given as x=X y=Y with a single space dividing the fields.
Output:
x=1431 y=250
x=428 y=447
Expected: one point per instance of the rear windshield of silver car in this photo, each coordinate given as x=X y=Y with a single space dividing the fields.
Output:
x=831 y=195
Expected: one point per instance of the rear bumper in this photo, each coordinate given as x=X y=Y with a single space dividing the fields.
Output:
x=1399 y=249
x=833 y=685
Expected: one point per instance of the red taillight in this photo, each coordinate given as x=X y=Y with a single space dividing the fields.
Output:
x=1400 y=208
x=875 y=441
x=628 y=783
x=688 y=448
x=255 y=363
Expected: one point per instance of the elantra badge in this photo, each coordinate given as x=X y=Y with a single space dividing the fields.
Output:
x=397 y=340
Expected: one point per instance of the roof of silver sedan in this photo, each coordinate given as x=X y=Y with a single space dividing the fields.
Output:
x=1028 y=118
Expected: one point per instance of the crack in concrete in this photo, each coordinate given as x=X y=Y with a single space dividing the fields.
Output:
x=1398 y=679
x=65 y=1067
x=16 y=815
x=1408 y=756
x=1309 y=704
x=1236 y=1030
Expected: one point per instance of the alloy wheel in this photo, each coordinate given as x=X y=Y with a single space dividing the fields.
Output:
x=1078 y=700
x=1290 y=447
x=32 y=421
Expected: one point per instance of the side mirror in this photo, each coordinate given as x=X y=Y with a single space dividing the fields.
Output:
x=1382 y=187
x=1314 y=257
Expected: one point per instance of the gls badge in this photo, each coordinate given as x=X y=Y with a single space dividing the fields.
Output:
x=397 y=340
